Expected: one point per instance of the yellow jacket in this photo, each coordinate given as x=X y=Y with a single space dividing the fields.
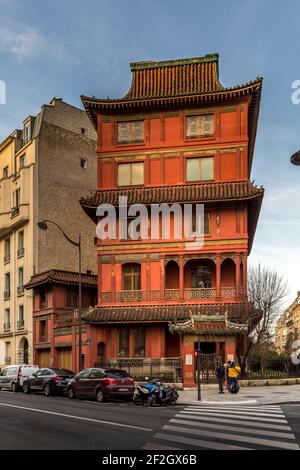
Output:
x=234 y=372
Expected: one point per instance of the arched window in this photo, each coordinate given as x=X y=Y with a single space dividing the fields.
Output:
x=131 y=276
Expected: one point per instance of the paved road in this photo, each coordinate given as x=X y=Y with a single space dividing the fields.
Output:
x=37 y=422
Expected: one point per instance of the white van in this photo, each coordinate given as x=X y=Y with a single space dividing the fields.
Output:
x=12 y=377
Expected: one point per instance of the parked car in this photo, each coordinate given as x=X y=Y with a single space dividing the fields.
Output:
x=13 y=377
x=101 y=384
x=48 y=381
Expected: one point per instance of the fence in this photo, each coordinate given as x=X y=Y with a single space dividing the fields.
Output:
x=168 y=370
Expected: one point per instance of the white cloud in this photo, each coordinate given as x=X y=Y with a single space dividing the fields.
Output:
x=27 y=42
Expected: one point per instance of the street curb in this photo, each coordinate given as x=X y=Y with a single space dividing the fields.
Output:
x=231 y=403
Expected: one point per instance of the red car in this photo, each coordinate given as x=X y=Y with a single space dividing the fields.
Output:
x=101 y=384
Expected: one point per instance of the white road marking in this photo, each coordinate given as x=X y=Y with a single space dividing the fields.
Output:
x=250 y=418
x=243 y=430
x=151 y=446
x=234 y=421
x=231 y=437
x=239 y=412
x=81 y=418
x=198 y=442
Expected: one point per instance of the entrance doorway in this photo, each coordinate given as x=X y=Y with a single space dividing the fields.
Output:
x=211 y=357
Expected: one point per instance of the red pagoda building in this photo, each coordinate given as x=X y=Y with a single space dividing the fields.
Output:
x=177 y=136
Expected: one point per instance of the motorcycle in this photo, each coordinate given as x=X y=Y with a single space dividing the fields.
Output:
x=155 y=393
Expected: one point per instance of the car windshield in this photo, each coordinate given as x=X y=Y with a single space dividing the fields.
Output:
x=116 y=374
x=63 y=372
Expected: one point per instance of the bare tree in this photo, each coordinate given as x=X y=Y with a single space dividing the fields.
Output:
x=266 y=292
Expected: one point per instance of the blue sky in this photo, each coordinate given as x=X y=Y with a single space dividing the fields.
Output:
x=66 y=48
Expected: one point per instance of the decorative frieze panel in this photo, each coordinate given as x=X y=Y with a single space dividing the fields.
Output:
x=131 y=296
x=228 y=292
x=155 y=295
x=106 y=297
x=199 y=293
x=171 y=294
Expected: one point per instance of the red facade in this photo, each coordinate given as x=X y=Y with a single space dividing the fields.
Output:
x=178 y=136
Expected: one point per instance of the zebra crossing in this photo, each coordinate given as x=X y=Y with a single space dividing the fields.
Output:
x=230 y=428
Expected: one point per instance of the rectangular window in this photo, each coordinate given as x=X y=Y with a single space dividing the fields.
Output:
x=83 y=163
x=206 y=221
x=123 y=342
x=7 y=250
x=17 y=193
x=131 y=276
x=139 y=342
x=21 y=277
x=27 y=132
x=72 y=299
x=7 y=316
x=43 y=298
x=21 y=313
x=130 y=174
x=199 y=126
x=22 y=162
x=21 y=243
x=200 y=169
x=5 y=172
x=43 y=331
x=131 y=132
x=7 y=286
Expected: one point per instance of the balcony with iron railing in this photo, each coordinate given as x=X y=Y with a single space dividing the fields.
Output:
x=7 y=359
x=20 y=324
x=7 y=258
x=6 y=327
x=6 y=294
x=21 y=252
x=189 y=294
x=20 y=290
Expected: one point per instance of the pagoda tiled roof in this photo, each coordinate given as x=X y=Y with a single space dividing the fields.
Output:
x=208 y=326
x=56 y=276
x=178 y=193
x=163 y=313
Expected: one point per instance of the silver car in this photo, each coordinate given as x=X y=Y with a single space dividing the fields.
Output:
x=12 y=377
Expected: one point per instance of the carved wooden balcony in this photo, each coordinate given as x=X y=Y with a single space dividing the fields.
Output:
x=130 y=296
x=199 y=293
x=171 y=294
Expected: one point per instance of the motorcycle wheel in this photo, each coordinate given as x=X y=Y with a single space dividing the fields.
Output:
x=138 y=400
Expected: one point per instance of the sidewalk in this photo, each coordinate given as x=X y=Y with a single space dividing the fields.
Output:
x=246 y=396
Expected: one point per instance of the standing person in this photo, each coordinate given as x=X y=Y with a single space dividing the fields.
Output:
x=220 y=373
x=227 y=377
x=233 y=373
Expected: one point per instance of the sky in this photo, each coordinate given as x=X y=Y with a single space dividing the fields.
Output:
x=66 y=48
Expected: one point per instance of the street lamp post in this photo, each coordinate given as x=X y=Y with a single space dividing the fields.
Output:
x=43 y=225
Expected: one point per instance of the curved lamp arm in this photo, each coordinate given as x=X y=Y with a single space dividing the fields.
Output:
x=43 y=225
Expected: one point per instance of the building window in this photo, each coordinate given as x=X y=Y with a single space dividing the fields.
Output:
x=5 y=172
x=83 y=163
x=206 y=229
x=16 y=197
x=139 y=342
x=7 y=250
x=43 y=331
x=72 y=299
x=83 y=131
x=199 y=126
x=123 y=342
x=6 y=319
x=20 y=281
x=27 y=132
x=7 y=358
x=131 y=276
x=200 y=169
x=22 y=162
x=131 y=132
x=21 y=244
x=7 y=286
x=20 y=324
x=130 y=174
x=43 y=298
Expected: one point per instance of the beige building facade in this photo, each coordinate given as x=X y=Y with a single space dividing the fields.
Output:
x=44 y=170
x=288 y=327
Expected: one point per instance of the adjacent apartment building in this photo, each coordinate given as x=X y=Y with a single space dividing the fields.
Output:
x=44 y=167
x=288 y=327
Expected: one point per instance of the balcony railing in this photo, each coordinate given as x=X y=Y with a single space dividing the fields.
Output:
x=20 y=290
x=43 y=339
x=14 y=212
x=199 y=293
x=6 y=327
x=21 y=252
x=7 y=359
x=106 y=296
x=6 y=294
x=131 y=296
x=228 y=292
x=7 y=258
x=20 y=324
x=171 y=294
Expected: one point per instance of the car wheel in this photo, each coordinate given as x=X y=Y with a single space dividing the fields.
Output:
x=47 y=390
x=26 y=388
x=71 y=393
x=100 y=396
x=14 y=387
